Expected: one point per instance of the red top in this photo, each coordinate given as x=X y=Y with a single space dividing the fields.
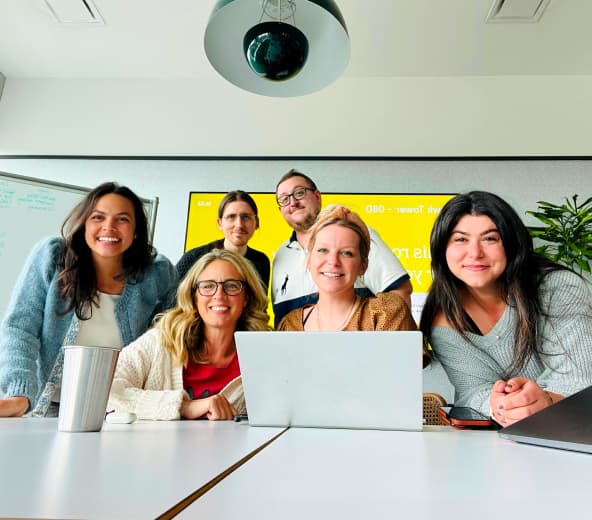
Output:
x=202 y=380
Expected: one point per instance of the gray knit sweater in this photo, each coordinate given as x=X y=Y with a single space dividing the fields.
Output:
x=565 y=340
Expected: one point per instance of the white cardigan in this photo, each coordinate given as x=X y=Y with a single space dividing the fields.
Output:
x=149 y=383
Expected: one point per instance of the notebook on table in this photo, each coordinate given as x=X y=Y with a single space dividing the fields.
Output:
x=566 y=425
x=358 y=380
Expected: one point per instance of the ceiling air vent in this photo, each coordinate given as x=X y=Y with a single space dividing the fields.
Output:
x=516 y=11
x=74 y=11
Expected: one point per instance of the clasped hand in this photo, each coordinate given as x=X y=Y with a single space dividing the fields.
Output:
x=517 y=398
x=214 y=408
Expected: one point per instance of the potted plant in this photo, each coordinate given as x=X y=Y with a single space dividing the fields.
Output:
x=566 y=232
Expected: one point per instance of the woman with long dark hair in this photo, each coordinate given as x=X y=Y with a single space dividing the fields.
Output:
x=100 y=283
x=512 y=329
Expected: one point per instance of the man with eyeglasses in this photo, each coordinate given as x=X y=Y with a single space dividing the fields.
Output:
x=299 y=201
x=238 y=218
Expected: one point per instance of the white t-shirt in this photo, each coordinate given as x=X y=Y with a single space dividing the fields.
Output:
x=101 y=330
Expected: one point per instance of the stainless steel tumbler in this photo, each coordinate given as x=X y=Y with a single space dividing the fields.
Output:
x=86 y=383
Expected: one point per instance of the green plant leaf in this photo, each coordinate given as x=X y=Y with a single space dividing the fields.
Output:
x=567 y=231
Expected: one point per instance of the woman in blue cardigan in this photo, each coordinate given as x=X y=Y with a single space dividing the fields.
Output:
x=100 y=283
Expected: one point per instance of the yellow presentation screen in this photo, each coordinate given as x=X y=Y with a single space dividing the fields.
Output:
x=404 y=221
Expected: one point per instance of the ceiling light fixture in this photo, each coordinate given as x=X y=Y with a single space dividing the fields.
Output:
x=277 y=48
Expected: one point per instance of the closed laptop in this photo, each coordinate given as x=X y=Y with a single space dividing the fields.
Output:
x=566 y=425
x=365 y=380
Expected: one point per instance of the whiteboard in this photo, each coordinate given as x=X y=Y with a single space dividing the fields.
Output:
x=31 y=209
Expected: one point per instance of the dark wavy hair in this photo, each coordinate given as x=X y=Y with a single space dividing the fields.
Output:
x=77 y=279
x=518 y=284
x=241 y=196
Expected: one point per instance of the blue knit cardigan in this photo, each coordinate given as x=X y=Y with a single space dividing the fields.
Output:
x=33 y=329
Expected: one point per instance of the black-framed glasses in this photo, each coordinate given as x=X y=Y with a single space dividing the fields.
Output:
x=298 y=194
x=230 y=287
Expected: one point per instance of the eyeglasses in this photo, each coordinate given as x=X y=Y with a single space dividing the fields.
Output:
x=243 y=217
x=298 y=194
x=210 y=287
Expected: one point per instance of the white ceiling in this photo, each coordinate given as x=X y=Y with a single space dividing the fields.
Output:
x=164 y=39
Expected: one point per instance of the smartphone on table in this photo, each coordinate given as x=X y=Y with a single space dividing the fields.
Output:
x=464 y=418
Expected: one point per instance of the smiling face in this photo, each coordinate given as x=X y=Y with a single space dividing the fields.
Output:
x=334 y=260
x=238 y=223
x=299 y=214
x=110 y=228
x=475 y=253
x=220 y=310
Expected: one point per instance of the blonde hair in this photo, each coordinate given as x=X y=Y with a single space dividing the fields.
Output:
x=336 y=214
x=182 y=328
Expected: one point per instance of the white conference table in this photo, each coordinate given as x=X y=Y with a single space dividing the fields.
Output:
x=141 y=470
x=439 y=473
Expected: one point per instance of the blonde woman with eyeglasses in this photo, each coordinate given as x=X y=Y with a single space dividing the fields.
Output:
x=238 y=219
x=187 y=366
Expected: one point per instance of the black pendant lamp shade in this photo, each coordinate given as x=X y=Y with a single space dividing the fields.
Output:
x=255 y=46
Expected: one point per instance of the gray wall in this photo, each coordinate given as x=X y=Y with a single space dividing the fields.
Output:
x=520 y=182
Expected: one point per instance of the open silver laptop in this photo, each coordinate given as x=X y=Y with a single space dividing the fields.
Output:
x=366 y=380
x=566 y=425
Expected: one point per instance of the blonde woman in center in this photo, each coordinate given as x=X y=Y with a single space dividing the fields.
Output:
x=337 y=255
